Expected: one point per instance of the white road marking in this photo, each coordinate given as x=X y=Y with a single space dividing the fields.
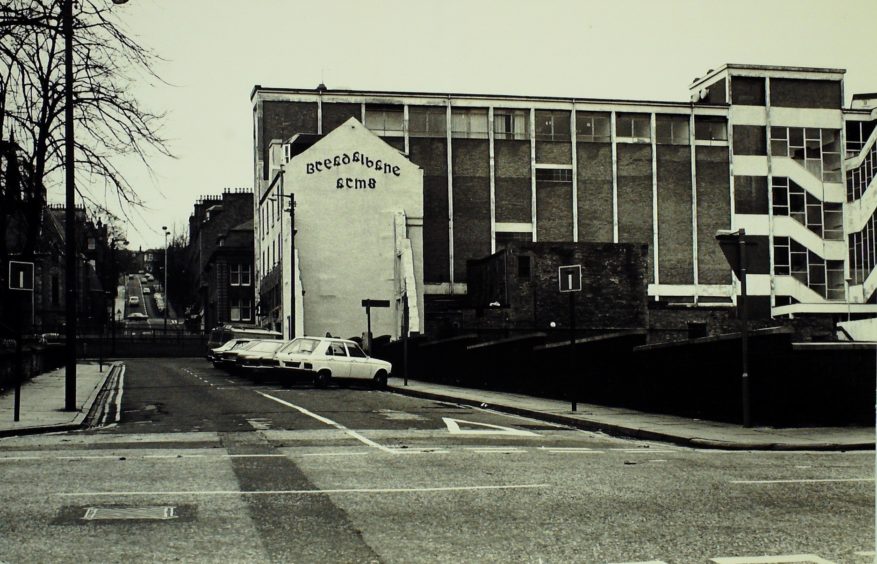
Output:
x=308 y=492
x=571 y=450
x=803 y=481
x=787 y=558
x=496 y=450
x=18 y=458
x=454 y=428
x=327 y=421
x=644 y=562
x=334 y=454
x=641 y=450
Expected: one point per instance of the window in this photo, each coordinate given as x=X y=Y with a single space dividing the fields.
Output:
x=817 y=150
x=552 y=125
x=826 y=278
x=553 y=175
x=511 y=124
x=469 y=123
x=633 y=127
x=335 y=349
x=424 y=121
x=708 y=128
x=592 y=127
x=384 y=120
x=354 y=351
x=241 y=310
x=506 y=238
x=240 y=275
x=672 y=130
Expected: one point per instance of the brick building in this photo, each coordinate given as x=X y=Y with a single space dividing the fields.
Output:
x=219 y=261
x=770 y=150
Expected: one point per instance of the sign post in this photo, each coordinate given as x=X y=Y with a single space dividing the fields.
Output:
x=21 y=278
x=569 y=280
x=733 y=245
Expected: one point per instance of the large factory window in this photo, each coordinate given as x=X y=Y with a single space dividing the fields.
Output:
x=384 y=120
x=633 y=128
x=511 y=124
x=592 y=127
x=672 y=130
x=426 y=121
x=469 y=123
x=552 y=125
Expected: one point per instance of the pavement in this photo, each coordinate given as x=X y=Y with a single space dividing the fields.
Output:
x=42 y=411
x=43 y=397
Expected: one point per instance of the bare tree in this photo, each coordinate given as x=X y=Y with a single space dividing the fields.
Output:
x=110 y=122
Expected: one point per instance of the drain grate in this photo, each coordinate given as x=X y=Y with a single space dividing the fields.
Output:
x=157 y=513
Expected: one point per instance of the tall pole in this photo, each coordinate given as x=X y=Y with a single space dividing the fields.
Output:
x=744 y=316
x=167 y=301
x=69 y=214
x=572 y=349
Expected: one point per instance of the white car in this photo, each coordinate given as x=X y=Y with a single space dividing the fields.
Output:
x=146 y=290
x=137 y=315
x=326 y=358
x=133 y=301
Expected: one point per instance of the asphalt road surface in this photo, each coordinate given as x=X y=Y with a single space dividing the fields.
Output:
x=199 y=465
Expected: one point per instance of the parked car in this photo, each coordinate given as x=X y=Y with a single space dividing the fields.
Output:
x=213 y=354
x=146 y=290
x=327 y=358
x=224 y=333
x=259 y=358
x=133 y=301
x=227 y=358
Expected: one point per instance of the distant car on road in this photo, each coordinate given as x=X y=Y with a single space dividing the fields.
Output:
x=146 y=290
x=137 y=315
x=133 y=300
x=327 y=358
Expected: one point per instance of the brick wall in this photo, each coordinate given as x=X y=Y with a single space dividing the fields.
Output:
x=553 y=152
x=635 y=196
x=512 y=181
x=554 y=211
x=281 y=120
x=334 y=114
x=674 y=214
x=431 y=155
x=595 y=191
x=713 y=213
x=471 y=169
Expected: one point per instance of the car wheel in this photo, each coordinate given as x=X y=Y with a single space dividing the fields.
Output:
x=321 y=380
x=380 y=380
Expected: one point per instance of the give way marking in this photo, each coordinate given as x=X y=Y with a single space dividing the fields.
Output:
x=484 y=429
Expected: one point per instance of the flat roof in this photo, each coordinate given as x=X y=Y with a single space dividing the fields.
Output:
x=711 y=73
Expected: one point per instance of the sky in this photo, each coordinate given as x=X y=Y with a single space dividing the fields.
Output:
x=215 y=51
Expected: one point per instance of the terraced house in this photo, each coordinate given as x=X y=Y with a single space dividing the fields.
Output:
x=770 y=150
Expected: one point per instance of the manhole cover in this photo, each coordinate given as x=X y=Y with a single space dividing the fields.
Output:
x=158 y=512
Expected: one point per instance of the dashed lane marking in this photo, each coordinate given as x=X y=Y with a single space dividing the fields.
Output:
x=802 y=481
x=780 y=558
x=571 y=450
x=309 y=492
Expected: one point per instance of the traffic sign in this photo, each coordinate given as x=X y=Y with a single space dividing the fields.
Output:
x=569 y=278
x=21 y=275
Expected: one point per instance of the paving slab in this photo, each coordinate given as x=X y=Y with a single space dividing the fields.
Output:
x=43 y=398
x=627 y=422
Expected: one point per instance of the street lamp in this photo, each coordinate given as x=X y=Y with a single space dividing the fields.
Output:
x=167 y=300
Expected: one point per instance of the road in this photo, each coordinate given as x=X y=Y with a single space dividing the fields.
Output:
x=135 y=286
x=205 y=466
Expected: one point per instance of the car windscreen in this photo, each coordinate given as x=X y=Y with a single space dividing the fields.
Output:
x=244 y=345
x=301 y=346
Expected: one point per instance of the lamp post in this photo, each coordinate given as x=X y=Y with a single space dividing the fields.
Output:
x=167 y=301
x=70 y=210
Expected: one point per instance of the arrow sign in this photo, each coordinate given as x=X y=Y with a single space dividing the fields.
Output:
x=569 y=278
x=484 y=429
